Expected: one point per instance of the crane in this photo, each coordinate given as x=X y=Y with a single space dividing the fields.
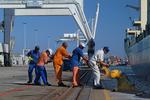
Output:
x=133 y=7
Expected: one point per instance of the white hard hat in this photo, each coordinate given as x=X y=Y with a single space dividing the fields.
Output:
x=50 y=51
x=82 y=44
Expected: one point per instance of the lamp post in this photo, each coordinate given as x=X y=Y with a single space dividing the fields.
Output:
x=24 y=34
x=24 y=38
x=36 y=38
x=48 y=44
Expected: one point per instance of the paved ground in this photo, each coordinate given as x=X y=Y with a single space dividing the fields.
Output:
x=13 y=87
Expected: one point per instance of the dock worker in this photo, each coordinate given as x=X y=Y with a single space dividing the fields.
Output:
x=49 y=61
x=43 y=59
x=33 y=56
x=60 y=53
x=75 y=60
x=98 y=58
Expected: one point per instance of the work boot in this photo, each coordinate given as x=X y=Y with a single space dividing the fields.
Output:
x=48 y=84
x=98 y=87
x=29 y=82
x=75 y=85
x=61 y=84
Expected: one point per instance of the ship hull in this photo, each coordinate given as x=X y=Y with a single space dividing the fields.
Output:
x=139 y=58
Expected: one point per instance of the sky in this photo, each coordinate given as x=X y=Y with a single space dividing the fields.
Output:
x=112 y=23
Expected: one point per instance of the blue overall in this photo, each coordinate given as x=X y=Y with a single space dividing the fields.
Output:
x=75 y=59
x=32 y=63
x=41 y=73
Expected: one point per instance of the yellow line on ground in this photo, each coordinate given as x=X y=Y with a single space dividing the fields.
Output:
x=107 y=95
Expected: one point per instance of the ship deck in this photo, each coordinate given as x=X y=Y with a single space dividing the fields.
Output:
x=13 y=87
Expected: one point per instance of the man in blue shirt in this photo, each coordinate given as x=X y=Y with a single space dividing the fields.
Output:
x=33 y=56
x=75 y=60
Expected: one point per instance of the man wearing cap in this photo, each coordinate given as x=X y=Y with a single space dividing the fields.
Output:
x=33 y=56
x=61 y=52
x=75 y=60
x=98 y=58
x=43 y=59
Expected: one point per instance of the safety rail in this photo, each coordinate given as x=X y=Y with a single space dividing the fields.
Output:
x=43 y=1
x=58 y=1
x=11 y=1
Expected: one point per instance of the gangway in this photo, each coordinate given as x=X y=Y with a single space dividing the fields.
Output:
x=73 y=8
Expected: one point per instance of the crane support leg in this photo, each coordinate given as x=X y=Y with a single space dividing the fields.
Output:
x=8 y=23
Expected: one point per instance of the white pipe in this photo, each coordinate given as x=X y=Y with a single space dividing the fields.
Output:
x=96 y=20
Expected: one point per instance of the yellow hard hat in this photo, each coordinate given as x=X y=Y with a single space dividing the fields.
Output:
x=115 y=73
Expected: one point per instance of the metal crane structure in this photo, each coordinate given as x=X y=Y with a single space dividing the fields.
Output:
x=73 y=8
x=141 y=23
x=76 y=36
x=133 y=7
x=143 y=14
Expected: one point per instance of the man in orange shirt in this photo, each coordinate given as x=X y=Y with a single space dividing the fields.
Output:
x=58 y=61
x=43 y=59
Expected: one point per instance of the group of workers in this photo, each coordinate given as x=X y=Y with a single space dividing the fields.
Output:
x=38 y=61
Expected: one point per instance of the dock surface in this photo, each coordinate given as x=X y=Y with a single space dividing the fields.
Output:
x=13 y=87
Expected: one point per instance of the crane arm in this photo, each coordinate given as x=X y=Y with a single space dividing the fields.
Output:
x=133 y=7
